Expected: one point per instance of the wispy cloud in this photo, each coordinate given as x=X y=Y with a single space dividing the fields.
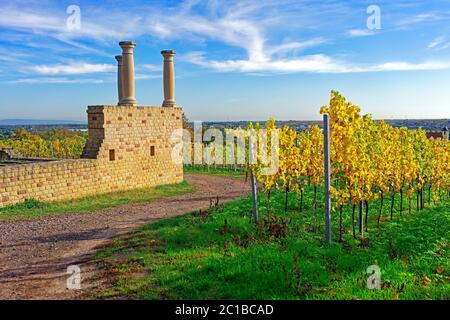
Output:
x=57 y=80
x=293 y=47
x=51 y=21
x=147 y=76
x=74 y=68
x=21 y=18
x=13 y=56
x=419 y=18
x=360 y=32
x=312 y=63
x=248 y=26
x=405 y=66
x=240 y=29
x=235 y=23
x=439 y=43
x=149 y=67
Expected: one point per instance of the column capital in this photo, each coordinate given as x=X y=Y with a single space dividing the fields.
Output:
x=127 y=46
x=168 y=54
x=119 y=59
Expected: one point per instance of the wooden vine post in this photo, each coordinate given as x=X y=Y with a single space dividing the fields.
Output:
x=251 y=157
x=361 y=219
x=326 y=144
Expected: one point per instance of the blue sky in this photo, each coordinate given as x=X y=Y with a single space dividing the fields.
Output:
x=236 y=59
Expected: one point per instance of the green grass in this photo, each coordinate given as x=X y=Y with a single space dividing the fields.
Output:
x=33 y=208
x=195 y=257
x=218 y=171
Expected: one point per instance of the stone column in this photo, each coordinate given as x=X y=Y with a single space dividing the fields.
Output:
x=119 y=78
x=127 y=73
x=169 y=79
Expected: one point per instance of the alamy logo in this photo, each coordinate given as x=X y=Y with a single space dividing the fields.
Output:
x=374 y=20
x=240 y=146
x=374 y=280
x=74 y=280
x=73 y=22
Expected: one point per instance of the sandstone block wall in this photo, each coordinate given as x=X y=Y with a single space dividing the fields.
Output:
x=129 y=147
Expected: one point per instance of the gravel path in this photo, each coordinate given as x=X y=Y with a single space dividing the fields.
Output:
x=35 y=254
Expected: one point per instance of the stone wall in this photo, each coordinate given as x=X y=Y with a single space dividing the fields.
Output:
x=129 y=147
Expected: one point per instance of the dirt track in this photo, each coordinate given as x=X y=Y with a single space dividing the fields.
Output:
x=35 y=254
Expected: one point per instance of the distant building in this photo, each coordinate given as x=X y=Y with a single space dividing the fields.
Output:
x=434 y=135
x=444 y=134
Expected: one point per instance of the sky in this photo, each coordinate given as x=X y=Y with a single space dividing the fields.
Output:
x=236 y=59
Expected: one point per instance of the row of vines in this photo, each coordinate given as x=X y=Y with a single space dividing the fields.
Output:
x=371 y=162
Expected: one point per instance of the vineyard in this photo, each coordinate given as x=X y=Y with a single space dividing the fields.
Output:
x=50 y=143
x=390 y=196
x=390 y=210
x=372 y=163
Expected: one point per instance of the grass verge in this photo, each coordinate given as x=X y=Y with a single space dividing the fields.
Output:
x=224 y=172
x=221 y=255
x=33 y=208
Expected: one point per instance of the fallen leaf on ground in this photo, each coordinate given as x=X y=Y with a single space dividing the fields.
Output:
x=426 y=280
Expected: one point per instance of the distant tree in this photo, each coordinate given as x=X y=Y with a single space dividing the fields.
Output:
x=54 y=143
x=187 y=126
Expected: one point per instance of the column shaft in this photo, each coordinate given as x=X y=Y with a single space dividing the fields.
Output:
x=169 y=78
x=127 y=73
x=119 y=78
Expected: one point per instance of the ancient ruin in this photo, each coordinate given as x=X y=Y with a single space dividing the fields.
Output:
x=129 y=147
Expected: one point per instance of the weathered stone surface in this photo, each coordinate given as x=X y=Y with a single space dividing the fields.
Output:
x=130 y=131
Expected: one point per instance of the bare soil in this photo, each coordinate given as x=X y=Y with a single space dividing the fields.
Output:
x=35 y=253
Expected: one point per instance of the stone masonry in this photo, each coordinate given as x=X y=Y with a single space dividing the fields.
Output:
x=129 y=147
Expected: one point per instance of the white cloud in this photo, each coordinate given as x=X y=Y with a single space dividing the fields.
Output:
x=21 y=19
x=11 y=58
x=74 y=68
x=150 y=67
x=312 y=63
x=53 y=22
x=147 y=76
x=239 y=26
x=419 y=18
x=360 y=32
x=439 y=43
x=294 y=46
x=406 y=66
x=54 y=81
x=246 y=25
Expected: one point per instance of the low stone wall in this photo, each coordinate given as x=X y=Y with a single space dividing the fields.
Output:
x=70 y=179
x=47 y=180
x=128 y=148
